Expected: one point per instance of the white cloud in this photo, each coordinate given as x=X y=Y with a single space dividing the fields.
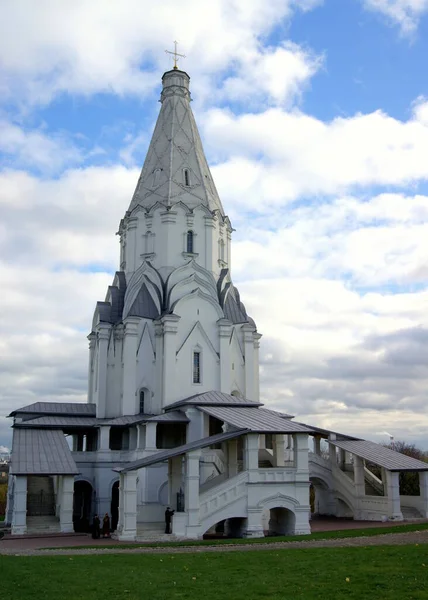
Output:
x=79 y=47
x=404 y=13
x=35 y=148
x=270 y=158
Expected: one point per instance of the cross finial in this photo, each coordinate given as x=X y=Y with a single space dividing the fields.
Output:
x=176 y=55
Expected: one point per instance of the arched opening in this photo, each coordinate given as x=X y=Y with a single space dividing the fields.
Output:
x=114 y=506
x=186 y=177
x=320 y=497
x=141 y=402
x=344 y=510
x=82 y=506
x=189 y=242
x=232 y=528
x=278 y=521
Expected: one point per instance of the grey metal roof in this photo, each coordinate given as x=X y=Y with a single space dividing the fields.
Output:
x=143 y=305
x=127 y=420
x=58 y=408
x=385 y=457
x=41 y=452
x=166 y=454
x=213 y=398
x=59 y=422
x=175 y=416
x=255 y=419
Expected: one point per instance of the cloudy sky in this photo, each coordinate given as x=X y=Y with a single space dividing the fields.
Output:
x=314 y=116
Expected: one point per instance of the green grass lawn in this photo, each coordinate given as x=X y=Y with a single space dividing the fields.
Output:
x=320 y=535
x=384 y=572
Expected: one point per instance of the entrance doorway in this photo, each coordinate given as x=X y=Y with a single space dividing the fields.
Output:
x=82 y=506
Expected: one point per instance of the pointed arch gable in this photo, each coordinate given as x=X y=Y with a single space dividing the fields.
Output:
x=197 y=293
x=146 y=333
x=191 y=267
x=193 y=278
x=198 y=328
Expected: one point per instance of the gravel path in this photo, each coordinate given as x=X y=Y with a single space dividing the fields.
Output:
x=393 y=539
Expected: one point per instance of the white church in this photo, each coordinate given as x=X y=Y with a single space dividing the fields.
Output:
x=173 y=416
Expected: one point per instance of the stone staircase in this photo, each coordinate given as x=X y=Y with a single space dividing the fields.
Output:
x=43 y=525
x=40 y=497
x=410 y=513
x=154 y=532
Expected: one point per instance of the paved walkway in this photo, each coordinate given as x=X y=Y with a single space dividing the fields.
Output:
x=62 y=545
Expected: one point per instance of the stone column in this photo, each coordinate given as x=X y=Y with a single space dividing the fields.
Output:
x=317 y=445
x=9 y=503
x=341 y=460
x=394 y=506
x=175 y=479
x=423 y=486
x=130 y=339
x=158 y=389
x=191 y=492
x=151 y=436
x=19 y=514
x=232 y=458
x=278 y=450
x=251 y=456
x=104 y=438
x=66 y=510
x=103 y=336
x=169 y=385
x=248 y=331
x=141 y=436
x=301 y=449
x=359 y=479
x=195 y=428
x=254 y=523
x=225 y=329
x=127 y=526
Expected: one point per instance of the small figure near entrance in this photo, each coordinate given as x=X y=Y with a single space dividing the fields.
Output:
x=168 y=518
x=96 y=528
x=106 y=526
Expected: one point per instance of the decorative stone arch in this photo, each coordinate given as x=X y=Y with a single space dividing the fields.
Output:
x=222 y=516
x=199 y=294
x=163 y=488
x=278 y=514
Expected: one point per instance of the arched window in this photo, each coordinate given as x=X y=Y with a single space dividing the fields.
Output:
x=186 y=177
x=196 y=367
x=156 y=177
x=189 y=242
x=142 y=402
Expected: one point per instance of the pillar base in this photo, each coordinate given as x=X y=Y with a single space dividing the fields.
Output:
x=396 y=517
x=125 y=536
x=254 y=532
x=19 y=530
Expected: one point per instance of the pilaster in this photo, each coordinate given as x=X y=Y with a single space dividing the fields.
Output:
x=175 y=480
x=159 y=342
x=130 y=338
x=256 y=343
x=248 y=331
x=225 y=330
x=92 y=343
x=279 y=450
x=301 y=446
x=131 y=244
x=103 y=337
x=359 y=479
x=150 y=437
x=170 y=327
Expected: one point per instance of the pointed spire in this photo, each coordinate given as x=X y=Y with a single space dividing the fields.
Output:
x=175 y=168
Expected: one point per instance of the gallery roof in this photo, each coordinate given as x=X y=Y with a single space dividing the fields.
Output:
x=58 y=408
x=41 y=452
x=166 y=454
x=214 y=398
x=379 y=455
x=255 y=419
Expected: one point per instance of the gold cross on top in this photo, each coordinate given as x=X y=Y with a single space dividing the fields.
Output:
x=176 y=55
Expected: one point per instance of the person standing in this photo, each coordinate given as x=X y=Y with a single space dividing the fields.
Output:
x=168 y=519
x=96 y=528
x=106 y=525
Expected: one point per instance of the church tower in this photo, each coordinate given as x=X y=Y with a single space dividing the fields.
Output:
x=172 y=324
